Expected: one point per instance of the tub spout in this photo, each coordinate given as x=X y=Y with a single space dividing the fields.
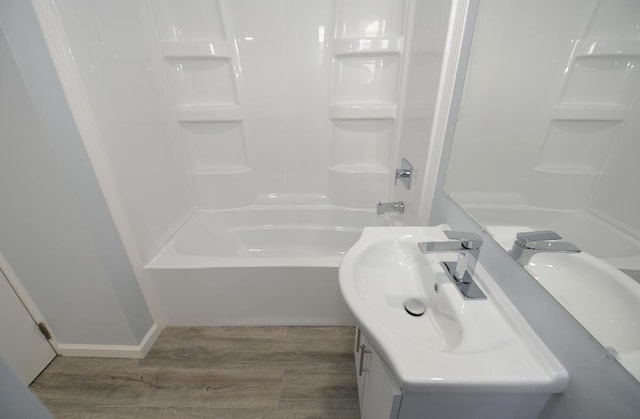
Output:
x=384 y=207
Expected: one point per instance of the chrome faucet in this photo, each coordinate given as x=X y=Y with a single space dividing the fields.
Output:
x=384 y=207
x=529 y=243
x=461 y=271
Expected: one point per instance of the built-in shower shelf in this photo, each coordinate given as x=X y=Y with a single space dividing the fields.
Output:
x=567 y=170
x=220 y=170
x=589 y=112
x=363 y=111
x=197 y=49
x=607 y=49
x=359 y=169
x=209 y=113
x=367 y=46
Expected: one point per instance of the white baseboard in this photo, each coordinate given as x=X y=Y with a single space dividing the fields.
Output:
x=149 y=339
x=111 y=351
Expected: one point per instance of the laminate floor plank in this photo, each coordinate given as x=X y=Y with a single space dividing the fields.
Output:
x=213 y=372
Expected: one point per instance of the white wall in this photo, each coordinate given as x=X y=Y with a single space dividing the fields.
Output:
x=545 y=110
x=115 y=54
x=55 y=229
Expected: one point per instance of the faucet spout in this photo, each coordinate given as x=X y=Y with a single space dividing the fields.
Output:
x=462 y=270
x=460 y=241
x=444 y=246
x=529 y=243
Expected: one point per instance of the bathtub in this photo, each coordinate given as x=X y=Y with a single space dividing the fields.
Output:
x=257 y=266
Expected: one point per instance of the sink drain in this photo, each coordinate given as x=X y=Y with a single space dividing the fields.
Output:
x=415 y=307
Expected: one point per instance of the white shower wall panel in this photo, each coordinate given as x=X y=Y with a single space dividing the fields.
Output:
x=218 y=104
x=189 y=20
x=284 y=50
x=121 y=76
x=279 y=70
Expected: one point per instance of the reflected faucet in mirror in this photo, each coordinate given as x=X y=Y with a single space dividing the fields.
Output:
x=531 y=242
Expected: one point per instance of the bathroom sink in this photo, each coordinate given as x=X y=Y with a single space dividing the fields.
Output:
x=387 y=274
x=457 y=344
x=580 y=282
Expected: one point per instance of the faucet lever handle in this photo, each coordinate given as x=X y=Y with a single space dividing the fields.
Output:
x=469 y=240
x=534 y=236
x=460 y=273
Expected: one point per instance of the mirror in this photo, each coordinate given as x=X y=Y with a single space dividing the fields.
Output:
x=548 y=138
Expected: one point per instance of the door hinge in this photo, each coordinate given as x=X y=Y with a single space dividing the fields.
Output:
x=44 y=330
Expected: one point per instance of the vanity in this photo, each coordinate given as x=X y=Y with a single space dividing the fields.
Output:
x=424 y=350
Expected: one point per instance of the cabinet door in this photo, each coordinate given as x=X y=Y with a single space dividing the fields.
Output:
x=382 y=395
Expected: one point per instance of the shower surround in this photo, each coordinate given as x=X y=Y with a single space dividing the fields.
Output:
x=278 y=122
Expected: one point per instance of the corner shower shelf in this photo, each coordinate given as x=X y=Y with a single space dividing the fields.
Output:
x=367 y=46
x=608 y=49
x=363 y=111
x=197 y=49
x=592 y=112
x=209 y=113
x=568 y=170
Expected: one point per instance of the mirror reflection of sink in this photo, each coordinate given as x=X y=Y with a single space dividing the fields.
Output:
x=469 y=345
x=605 y=300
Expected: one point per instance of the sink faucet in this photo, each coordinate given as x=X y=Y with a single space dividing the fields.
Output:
x=384 y=207
x=529 y=243
x=462 y=270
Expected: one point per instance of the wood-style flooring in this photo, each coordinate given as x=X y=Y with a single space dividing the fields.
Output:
x=213 y=372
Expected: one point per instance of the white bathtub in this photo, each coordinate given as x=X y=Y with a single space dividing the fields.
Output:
x=258 y=266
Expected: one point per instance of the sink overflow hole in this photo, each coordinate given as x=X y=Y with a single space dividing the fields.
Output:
x=436 y=287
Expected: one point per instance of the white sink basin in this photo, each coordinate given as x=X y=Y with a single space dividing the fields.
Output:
x=602 y=298
x=386 y=275
x=457 y=345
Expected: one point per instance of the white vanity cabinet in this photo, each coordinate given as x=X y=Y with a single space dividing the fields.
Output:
x=381 y=397
x=378 y=392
